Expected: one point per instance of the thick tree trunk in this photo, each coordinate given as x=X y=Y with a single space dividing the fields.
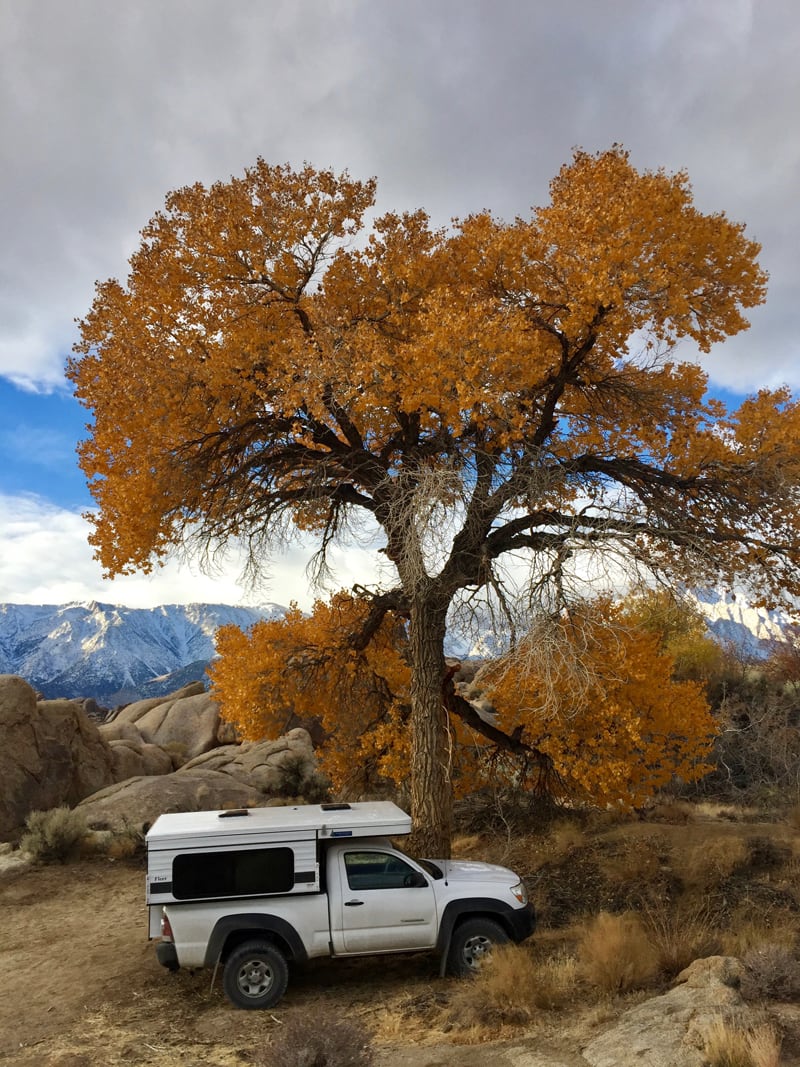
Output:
x=431 y=785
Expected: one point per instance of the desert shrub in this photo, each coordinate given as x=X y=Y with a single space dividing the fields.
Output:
x=330 y=1042
x=727 y=1045
x=707 y=864
x=177 y=752
x=298 y=779
x=680 y=936
x=772 y=972
x=53 y=836
x=501 y=993
x=127 y=843
x=616 y=954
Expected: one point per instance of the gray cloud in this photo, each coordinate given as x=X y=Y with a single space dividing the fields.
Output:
x=455 y=106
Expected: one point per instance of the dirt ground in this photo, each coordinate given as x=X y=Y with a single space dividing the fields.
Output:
x=81 y=987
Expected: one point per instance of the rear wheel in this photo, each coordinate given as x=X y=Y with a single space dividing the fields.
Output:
x=255 y=976
x=471 y=942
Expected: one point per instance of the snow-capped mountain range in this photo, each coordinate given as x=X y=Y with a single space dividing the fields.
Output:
x=112 y=653
x=117 y=654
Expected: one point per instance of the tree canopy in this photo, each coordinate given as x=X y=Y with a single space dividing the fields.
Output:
x=273 y=364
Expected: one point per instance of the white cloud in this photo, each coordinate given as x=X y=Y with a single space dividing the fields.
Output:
x=45 y=558
x=455 y=106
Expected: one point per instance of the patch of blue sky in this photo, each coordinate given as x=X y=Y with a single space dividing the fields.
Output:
x=39 y=433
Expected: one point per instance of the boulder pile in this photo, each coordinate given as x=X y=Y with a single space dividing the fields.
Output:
x=164 y=754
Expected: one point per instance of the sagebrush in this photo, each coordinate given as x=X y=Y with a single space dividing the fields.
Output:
x=53 y=836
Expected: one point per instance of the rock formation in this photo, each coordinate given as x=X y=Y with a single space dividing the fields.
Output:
x=52 y=754
x=155 y=755
x=231 y=776
x=671 y=1030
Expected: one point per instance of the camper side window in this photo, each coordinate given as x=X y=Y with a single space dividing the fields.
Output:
x=239 y=873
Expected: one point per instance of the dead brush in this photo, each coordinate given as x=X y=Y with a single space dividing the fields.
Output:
x=616 y=955
x=330 y=1042
x=772 y=971
x=680 y=935
x=500 y=994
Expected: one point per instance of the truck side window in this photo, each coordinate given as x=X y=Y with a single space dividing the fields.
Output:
x=377 y=870
x=238 y=873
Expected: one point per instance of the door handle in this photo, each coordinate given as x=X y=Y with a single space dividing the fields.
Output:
x=353 y=903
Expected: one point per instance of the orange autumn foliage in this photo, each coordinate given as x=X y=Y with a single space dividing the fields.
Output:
x=616 y=731
x=307 y=665
x=608 y=711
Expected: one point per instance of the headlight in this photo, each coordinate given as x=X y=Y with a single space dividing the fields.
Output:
x=520 y=892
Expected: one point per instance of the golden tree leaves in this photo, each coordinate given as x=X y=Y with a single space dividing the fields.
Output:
x=607 y=716
x=311 y=666
x=608 y=712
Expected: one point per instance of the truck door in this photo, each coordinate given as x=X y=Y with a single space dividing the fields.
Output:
x=385 y=904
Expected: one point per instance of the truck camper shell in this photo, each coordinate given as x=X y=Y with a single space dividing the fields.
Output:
x=254 y=852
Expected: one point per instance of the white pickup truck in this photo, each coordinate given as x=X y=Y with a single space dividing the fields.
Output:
x=255 y=889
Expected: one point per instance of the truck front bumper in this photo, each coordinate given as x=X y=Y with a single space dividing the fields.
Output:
x=167 y=955
x=522 y=921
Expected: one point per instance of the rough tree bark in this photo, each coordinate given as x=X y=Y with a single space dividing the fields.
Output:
x=431 y=785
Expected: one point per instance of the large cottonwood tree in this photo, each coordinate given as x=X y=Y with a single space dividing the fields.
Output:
x=273 y=364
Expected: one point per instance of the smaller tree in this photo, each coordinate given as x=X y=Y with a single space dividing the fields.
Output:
x=682 y=632
x=599 y=697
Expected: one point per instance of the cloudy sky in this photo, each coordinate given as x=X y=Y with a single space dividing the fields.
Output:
x=455 y=105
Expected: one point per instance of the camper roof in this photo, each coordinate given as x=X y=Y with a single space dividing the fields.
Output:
x=364 y=819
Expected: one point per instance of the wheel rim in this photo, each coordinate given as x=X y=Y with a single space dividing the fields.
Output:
x=255 y=978
x=476 y=949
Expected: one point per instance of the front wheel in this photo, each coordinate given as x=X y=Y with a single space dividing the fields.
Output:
x=471 y=942
x=255 y=975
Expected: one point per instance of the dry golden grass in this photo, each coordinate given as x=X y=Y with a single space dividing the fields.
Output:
x=616 y=954
x=512 y=987
x=727 y=1045
x=680 y=935
x=710 y=861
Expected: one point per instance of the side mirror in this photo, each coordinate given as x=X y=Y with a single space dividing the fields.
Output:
x=415 y=880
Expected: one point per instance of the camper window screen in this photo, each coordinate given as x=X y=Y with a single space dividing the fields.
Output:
x=242 y=873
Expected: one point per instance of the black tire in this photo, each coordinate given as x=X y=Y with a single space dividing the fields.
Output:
x=256 y=975
x=472 y=940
